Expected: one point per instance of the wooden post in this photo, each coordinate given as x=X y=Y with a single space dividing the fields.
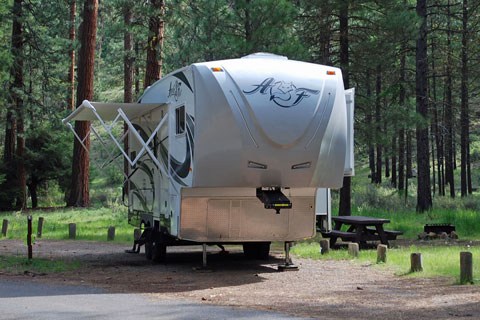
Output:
x=29 y=236
x=40 y=227
x=381 y=253
x=416 y=262
x=111 y=234
x=72 y=230
x=324 y=246
x=137 y=233
x=4 y=227
x=466 y=267
x=353 y=249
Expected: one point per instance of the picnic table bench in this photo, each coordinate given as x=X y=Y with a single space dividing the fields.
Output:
x=361 y=229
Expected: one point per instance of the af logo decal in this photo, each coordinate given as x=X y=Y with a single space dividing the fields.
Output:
x=284 y=94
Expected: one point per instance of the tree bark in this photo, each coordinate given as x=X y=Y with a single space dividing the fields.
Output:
x=401 y=136
x=71 y=72
x=449 y=114
x=345 y=192
x=17 y=90
x=394 y=160
x=436 y=130
x=378 y=120
x=464 y=120
x=153 y=71
x=128 y=68
x=424 y=197
x=79 y=195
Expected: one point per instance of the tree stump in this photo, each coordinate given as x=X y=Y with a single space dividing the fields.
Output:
x=40 y=227
x=137 y=233
x=381 y=253
x=466 y=267
x=353 y=249
x=416 y=262
x=4 y=227
x=72 y=230
x=324 y=246
x=111 y=234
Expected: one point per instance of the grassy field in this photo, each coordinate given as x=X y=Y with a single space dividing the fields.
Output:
x=21 y=264
x=437 y=260
x=92 y=224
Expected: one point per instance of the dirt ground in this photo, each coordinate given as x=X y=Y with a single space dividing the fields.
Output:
x=321 y=289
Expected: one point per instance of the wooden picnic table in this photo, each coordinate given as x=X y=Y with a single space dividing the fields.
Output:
x=361 y=229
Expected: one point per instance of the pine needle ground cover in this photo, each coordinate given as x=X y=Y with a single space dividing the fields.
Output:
x=437 y=260
x=92 y=224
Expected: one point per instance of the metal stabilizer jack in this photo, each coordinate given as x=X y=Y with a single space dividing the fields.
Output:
x=138 y=241
x=204 y=267
x=288 y=265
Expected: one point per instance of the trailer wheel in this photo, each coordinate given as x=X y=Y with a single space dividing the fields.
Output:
x=257 y=250
x=148 y=250
x=159 y=252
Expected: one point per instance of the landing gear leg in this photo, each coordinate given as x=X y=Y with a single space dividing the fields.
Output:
x=204 y=267
x=288 y=265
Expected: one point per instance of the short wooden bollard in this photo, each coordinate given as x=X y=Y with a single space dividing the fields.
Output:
x=381 y=253
x=111 y=234
x=416 y=262
x=40 y=227
x=29 y=236
x=72 y=230
x=466 y=267
x=4 y=227
x=324 y=246
x=137 y=233
x=353 y=249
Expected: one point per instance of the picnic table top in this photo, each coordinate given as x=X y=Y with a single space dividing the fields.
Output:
x=360 y=220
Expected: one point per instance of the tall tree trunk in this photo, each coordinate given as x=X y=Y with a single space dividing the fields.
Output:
x=128 y=74
x=80 y=195
x=401 y=136
x=435 y=127
x=71 y=72
x=409 y=154
x=424 y=197
x=368 y=119
x=449 y=114
x=394 y=160
x=248 y=29
x=137 y=69
x=464 y=120
x=378 y=120
x=153 y=71
x=386 y=151
x=17 y=100
x=345 y=192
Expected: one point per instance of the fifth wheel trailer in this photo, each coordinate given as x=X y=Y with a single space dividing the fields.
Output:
x=232 y=151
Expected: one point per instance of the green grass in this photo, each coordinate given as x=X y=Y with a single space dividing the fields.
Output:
x=92 y=224
x=437 y=260
x=13 y=264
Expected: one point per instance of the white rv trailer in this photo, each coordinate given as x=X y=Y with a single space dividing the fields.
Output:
x=233 y=151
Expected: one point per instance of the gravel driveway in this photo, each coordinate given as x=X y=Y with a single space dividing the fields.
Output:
x=323 y=289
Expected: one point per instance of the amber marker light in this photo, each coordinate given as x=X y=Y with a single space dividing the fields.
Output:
x=331 y=73
x=216 y=69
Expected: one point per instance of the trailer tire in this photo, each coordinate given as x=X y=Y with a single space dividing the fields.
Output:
x=257 y=250
x=159 y=252
x=148 y=250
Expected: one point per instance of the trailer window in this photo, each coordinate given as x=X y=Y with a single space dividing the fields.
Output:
x=180 y=119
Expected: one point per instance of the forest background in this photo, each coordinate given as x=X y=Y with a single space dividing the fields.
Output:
x=414 y=64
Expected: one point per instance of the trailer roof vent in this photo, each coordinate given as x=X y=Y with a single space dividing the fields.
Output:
x=264 y=55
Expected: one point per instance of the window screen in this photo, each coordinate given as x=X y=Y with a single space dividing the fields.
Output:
x=180 y=119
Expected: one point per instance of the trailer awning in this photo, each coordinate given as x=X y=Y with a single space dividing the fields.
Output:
x=89 y=111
